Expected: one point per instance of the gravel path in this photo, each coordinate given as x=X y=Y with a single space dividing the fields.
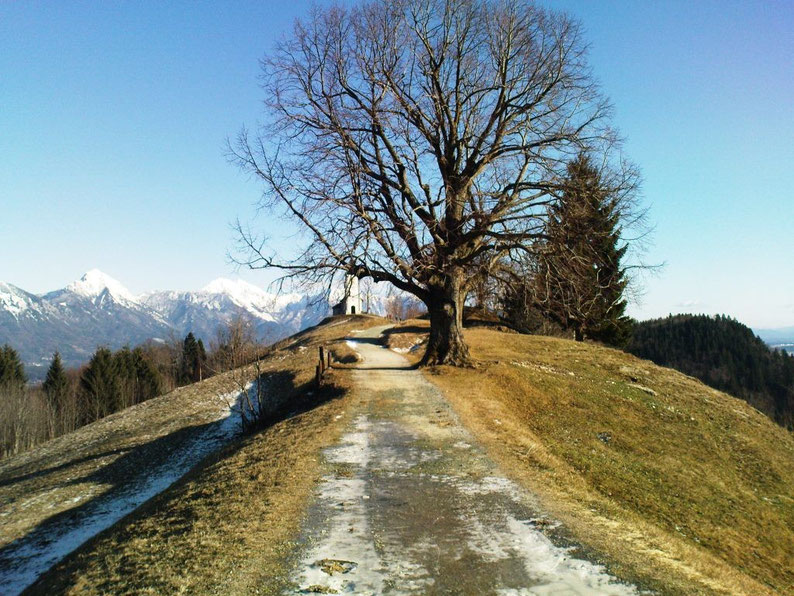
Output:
x=411 y=505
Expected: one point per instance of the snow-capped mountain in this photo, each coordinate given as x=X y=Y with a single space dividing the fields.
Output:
x=98 y=310
x=94 y=310
x=97 y=286
x=273 y=316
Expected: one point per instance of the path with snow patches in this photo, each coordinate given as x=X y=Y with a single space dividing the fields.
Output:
x=412 y=505
x=25 y=559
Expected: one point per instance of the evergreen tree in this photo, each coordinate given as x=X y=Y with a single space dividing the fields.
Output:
x=56 y=384
x=194 y=359
x=100 y=386
x=189 y=359
x=148 y=381
x=580 y=281
x=12 y=372
x=137 y=377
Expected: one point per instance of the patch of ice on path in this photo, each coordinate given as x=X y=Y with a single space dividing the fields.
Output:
x=348 y=537
x=25 y=559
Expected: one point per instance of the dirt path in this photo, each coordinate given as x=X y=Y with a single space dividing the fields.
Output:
x=411 y=505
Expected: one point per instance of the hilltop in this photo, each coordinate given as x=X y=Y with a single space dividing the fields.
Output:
x=665 y=482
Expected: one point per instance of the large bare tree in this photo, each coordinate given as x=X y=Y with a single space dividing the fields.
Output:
x=410 y=138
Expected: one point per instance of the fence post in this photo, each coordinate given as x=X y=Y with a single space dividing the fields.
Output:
x=329 y=358
x=318 y=376
x=322 y=360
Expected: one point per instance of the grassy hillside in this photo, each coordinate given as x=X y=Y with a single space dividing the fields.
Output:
x=679 y=485
x=725 y=355
x=223 y=527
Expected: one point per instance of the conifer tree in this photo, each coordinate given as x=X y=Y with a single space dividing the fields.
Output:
x=148 y=381
x=137 y=377
x=580 y=280
x=190 y=359
x=56 y=384
x=100 y=386
x=194 y=359
x=12 y=372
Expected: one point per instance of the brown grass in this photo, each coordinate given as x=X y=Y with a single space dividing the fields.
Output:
x=342 y=354
x=224 y=528
x=680 y=486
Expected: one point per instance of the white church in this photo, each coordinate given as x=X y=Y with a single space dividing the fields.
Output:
x=351 y=300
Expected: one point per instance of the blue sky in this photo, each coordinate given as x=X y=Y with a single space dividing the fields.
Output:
x=113 y=118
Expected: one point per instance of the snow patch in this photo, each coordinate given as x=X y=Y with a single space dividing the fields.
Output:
x=557 y=571
x=349 y=537
x=94 y=283
x=12 y=301
x=26 y=559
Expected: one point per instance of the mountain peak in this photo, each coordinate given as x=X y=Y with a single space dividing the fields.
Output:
x=94 y=282
x=14 y=300
x=241 y=292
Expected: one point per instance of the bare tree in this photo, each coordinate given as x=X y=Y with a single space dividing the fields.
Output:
x=410 y=138
x=234 y=345
x=401 y=307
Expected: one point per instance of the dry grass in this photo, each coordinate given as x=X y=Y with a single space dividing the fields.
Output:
x=224 y=529
x=343 y=355
x=221 y=529
x=684 y=488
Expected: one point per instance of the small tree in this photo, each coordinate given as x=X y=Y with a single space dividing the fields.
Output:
x=56 y=389
x=12 y=372
x=580 y=281
x=14 y=402
x=193 y=359
x=234 y=345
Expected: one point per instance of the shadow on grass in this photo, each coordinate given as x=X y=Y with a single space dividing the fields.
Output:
x=130 y=484
x=10 y=479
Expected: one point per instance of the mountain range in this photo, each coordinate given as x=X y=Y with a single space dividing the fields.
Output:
x=98 y=310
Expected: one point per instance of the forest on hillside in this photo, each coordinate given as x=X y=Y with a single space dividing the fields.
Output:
x=724 y=354
x=70 y=398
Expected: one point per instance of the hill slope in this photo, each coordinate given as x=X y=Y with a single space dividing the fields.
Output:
x=674 y=485
x=725 y=355
x=677 y=482
x=59 y=494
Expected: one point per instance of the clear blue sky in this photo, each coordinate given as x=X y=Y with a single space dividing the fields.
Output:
x=113 y=117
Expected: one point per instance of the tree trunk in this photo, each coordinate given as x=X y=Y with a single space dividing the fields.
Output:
x=445 y=306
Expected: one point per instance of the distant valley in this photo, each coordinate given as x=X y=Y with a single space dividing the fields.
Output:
x=782 y=338
x=98 y=310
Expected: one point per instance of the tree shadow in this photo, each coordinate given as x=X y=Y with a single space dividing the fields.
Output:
x=405 y=329
x=11 y=479
x=135 y=478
